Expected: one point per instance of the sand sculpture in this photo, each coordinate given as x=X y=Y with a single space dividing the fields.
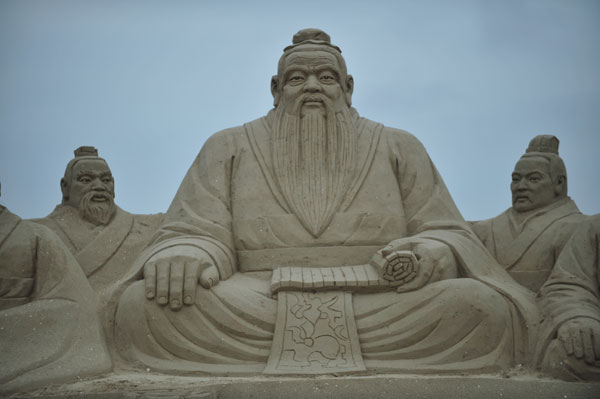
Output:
x=315 y=241
x=297 y=226
x=528 y=237
x=105 y=239
x=569 y=343
x=49 y=327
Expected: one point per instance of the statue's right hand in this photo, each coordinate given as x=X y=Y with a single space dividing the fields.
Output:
x=581 y=338
x=172 y=275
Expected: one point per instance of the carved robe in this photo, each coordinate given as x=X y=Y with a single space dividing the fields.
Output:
x=106 y=254
x=571 y=291
x=49 y=327
x=529 y=250
x=229 y=206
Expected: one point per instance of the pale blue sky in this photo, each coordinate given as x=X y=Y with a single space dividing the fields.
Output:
x=147 y=82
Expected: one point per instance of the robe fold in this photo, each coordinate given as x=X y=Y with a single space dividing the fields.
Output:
x=572 y=291
x=49 y=326
x=529 y=250
x=106 y=254
x=230 y=207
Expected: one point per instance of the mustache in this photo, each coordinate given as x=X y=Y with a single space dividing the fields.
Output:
x=95 y=195
x=311 y=98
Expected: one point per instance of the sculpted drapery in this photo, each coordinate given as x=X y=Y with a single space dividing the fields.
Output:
x=572 y=294
x=528 y=250
x=106 y=254
x=49 y=327
x=229 y=207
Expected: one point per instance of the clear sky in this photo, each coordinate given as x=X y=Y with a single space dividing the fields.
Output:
x=146 y=82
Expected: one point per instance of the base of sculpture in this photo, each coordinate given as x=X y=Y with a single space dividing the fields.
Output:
x=145 y=386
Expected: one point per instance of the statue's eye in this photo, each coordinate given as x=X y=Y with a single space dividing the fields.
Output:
x=106 y=179
x=534 y=179
x=85 y=179
x=327 y=78
x=294 y=79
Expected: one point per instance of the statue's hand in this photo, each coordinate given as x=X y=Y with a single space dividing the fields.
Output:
x=432 y=259
x=172 y=275
x=581 y=338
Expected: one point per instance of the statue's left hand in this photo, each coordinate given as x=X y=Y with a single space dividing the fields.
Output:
x=434 y=258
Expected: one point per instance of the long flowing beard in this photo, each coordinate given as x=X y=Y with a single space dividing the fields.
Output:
x=99 y=213
x=314 y=160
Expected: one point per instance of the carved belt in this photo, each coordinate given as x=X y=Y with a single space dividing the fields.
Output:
x=271 y=259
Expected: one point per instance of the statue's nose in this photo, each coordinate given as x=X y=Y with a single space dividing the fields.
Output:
x=521 y=185
x=97 y=184
x=312 y=84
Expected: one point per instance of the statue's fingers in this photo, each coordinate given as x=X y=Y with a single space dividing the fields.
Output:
x=209 y=277
x=386 y=251
x=588 y=346
x=190 y=282
x=150 y=279
x=577 y=344
x=162 y=282
x=565 y=338
x=176 y=285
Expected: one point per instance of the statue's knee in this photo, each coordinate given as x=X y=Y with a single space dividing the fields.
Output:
x=132 y=297
x=467 y=293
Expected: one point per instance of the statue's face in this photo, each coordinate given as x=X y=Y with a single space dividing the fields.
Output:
x=312 y=72
x=532 y=186
x=91 y=177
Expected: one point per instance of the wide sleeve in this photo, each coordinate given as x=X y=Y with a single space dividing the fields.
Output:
x=200 y=214
x=572 y=288
x=429 y=209
x=432 y=214
x=56 y=336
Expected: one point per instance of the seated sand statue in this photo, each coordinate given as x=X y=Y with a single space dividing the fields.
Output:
x=49 y=327
x=528 y=237
x=313 y=240
x=569 y=345
x=105 y=239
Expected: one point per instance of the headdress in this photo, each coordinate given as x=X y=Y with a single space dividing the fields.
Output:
x=313 y=39
x=311 y=36
x=544 y=143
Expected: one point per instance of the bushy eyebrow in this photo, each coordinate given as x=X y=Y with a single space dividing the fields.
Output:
x=529 y=173
x=306 y=69
x=93 y=173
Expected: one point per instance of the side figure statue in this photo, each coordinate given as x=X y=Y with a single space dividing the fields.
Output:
x=527 y=238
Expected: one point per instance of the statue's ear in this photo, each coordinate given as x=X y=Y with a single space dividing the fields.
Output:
x=561 y=185
x=275 y=89
x=348 y=89
x=64 y=187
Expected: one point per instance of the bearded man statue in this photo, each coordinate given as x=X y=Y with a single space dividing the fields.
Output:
x=104 y=239
x=313 y=241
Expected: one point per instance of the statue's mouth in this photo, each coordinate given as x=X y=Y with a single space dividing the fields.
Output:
x=313 y=101
x=521 y=198
x=100 y=197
